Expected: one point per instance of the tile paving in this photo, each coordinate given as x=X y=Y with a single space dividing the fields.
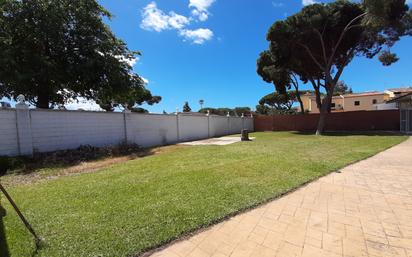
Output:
x=364 y=209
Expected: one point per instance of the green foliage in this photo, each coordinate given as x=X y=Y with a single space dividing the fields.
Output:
x=237 y=111
x=127 y=99
x=125 y=208
x=270 y=72
x=186 y=107
x=276 y=103
x=10 y=163
x=54 y=51
x=217 y=111
x=263 y=109
x=4 y=165
x=387 y=58
x=139 y=110
x=246 y=111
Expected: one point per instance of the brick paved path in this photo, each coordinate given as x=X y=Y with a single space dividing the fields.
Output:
x=365 y=210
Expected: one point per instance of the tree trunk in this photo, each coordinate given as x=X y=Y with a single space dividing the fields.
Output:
x=324 y=111
x=43 y=101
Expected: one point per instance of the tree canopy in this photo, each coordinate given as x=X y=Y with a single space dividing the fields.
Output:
x=56 y=51
x=282 y=78
x=317 y=43
x=278 y=103
x=237 y=111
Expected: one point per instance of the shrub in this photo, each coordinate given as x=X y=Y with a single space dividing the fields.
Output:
x=4 y=165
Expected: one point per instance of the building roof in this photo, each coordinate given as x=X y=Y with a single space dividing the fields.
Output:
x=401 y=89
x=401 y=98
x=371 y=93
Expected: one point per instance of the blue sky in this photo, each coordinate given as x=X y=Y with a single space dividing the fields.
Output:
x=221 y=68
x=207 y=49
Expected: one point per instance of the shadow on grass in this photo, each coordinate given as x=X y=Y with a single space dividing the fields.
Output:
x=351 y=133
x=4 y=249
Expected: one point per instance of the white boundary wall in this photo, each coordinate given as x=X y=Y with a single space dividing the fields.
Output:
x=24 y=131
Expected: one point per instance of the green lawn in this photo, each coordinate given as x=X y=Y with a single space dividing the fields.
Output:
x=143 y=203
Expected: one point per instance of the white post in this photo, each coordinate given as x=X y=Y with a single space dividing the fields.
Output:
x=228 y=123
x=177 y=125
x=24 y=134
x=208 y=123
x=243 y=121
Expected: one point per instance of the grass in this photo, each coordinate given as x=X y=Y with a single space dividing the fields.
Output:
x=136 y=205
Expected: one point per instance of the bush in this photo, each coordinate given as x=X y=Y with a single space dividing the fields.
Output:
x=4 y=165
x=83 y=153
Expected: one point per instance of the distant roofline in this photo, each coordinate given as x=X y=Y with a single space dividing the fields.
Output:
x=352 y=95
x=367 y=93
x=400 y=89
x=395 y=100
x=364 y=94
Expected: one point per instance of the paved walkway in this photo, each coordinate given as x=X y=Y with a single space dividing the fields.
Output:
x=365 y=210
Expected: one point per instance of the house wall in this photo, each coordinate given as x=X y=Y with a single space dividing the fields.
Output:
x=307 y=103
x=24 y=131
x=339 y=103
x=347 y=103
x=314 y=106
x=365 y=103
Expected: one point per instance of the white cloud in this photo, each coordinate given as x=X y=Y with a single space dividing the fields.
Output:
x=198 y=36
x=202 y=16
x=309 y=2
x=201 y=8
x=277 y=4
x=155 y=19
x=177 y=21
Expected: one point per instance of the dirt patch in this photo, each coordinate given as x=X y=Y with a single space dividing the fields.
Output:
x=42 y=174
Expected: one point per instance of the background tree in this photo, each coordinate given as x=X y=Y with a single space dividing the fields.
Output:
x=319 y=42
x=218 y=111
x=237 y=111
x=282 y=78
x=126 y=99
x=342 y=89
x=201 y=103
x=139 y=110
x=276 y=103
x=263 y=110
x=186 y=107
x=55 y=51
